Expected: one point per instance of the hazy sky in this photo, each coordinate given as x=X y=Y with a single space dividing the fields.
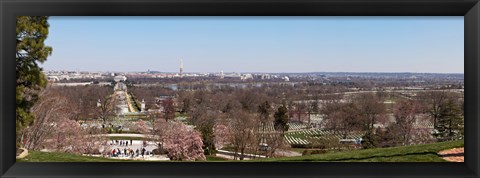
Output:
x=257 y=44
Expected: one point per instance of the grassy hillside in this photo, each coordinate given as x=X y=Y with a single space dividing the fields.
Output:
x=415 y=153
x=37 y=156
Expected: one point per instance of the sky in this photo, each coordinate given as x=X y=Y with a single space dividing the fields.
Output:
x=257 y=44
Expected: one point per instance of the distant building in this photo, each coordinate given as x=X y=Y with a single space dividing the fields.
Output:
x=120 y=78
x=181 y=67
x=246 y=76
x=53 y=78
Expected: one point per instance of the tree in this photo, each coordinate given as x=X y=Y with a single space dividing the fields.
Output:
x=208 y=138
x=50 y=109
x=222 y=134
x=341 y=117
x=32 y=31
x=312 y=109
x=105 y=109
x=299 y=111
x=244 y=127
x=205 y=125
x=370 y=140
x=264 y=111
x=141 y=127
x=275 y=141
x=389 y=137
x=183 y=143
x=371 y=110
x=450 y=121
x=347 y=119
x=152 y=118
x=55 y=129
x=281 y=119
x=168 y=109
x=185 y=105
x=434 y=100
x=405 y=116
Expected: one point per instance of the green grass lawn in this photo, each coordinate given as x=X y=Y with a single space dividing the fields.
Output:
x=215 y=158
x=37 y=156
x=415 y=153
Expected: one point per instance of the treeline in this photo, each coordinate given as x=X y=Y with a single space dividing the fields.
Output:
x=243 y=111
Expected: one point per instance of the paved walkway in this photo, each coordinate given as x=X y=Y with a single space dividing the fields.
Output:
x=126 y=135
x=287 y=153
x=453 y=155
x=230 y=155
x=137 y=144
x=146 y=158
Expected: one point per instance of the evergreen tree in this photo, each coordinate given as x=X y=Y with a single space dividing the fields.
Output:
x=450 y=121
x=370 y=140
x=281 y=119
x=32 y=31
x=208 y=139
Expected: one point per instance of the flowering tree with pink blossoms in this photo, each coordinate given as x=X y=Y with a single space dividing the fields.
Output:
x=55 y=128
x=141 y=127
x=222 y=135
x=182 y=143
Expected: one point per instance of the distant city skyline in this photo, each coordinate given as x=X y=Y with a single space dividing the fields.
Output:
x=257 y=44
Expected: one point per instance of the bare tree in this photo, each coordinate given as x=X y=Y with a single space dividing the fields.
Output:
x=106 y=109
x=244 y=126
x=152 y=117
x=312 y=109
x=56 y=129
x=168 y=109
x=405 y=116
x=341 y=117
x=434 y=101
x=275 y=141
x=49 y=110
x=264 y=111
x=371 y=109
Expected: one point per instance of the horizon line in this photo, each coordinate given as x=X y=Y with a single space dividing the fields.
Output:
x=363 y=72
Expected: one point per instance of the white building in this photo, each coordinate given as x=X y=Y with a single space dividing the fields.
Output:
x=120 y=78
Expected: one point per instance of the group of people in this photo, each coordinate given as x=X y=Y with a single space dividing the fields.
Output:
x=128 y=152
x=121 y=142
